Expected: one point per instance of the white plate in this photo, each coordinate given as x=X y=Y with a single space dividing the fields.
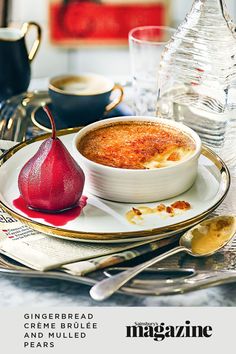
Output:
x=105 y=221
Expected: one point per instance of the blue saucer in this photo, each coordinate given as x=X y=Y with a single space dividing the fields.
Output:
x=40 y=119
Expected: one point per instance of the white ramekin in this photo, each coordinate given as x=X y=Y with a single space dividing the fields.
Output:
x=138 y=186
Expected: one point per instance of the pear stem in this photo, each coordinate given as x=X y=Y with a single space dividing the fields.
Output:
x=49 y=114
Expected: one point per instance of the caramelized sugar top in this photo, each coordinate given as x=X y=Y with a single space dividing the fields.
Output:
x=136 y=145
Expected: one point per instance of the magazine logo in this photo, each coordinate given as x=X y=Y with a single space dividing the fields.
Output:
x=161 y=331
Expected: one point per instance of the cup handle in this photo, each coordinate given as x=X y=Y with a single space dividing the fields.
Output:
x=117 y=100
x=25 y=28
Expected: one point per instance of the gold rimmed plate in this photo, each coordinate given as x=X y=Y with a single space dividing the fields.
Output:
x=105 y=221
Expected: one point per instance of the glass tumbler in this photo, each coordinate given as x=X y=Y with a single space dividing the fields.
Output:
x=146 y=45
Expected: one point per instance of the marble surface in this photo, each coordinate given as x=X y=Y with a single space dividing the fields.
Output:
x=16 y=291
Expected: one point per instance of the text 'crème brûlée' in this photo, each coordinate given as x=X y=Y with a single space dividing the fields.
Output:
x=136 y=145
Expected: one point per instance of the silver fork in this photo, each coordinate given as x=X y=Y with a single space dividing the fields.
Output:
x=8 y=267
x=159 y=287
x=13 y=119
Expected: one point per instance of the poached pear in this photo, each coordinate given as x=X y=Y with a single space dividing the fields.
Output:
x=51 y=181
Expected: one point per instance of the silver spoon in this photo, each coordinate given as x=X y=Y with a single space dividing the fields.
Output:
x=202 y=240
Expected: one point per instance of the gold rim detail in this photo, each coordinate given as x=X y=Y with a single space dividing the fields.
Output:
x=71 y=234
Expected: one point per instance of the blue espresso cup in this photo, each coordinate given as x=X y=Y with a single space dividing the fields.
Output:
x=83 y=99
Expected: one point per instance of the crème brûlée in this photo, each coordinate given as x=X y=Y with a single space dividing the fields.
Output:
x=136 y=145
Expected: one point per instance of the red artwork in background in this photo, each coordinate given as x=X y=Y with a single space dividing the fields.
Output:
x=89 y=22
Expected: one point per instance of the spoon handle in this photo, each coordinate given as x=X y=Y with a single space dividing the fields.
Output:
x=105 y=288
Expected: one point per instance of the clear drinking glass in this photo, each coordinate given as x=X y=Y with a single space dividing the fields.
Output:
x=146 y=45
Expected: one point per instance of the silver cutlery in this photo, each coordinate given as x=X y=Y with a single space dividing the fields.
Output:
x=188 y=279
x=107 y=287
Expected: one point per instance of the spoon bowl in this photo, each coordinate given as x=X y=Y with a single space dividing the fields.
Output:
x=209 y=236
x=202 y=240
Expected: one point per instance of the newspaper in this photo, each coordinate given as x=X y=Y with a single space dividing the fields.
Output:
x=42 y=252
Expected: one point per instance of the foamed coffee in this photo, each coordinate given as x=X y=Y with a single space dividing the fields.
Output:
x=85 y=85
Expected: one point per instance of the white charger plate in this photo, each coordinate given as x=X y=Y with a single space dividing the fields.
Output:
x=105 y=221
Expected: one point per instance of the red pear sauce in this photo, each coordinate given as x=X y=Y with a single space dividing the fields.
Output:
x=56 y=219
